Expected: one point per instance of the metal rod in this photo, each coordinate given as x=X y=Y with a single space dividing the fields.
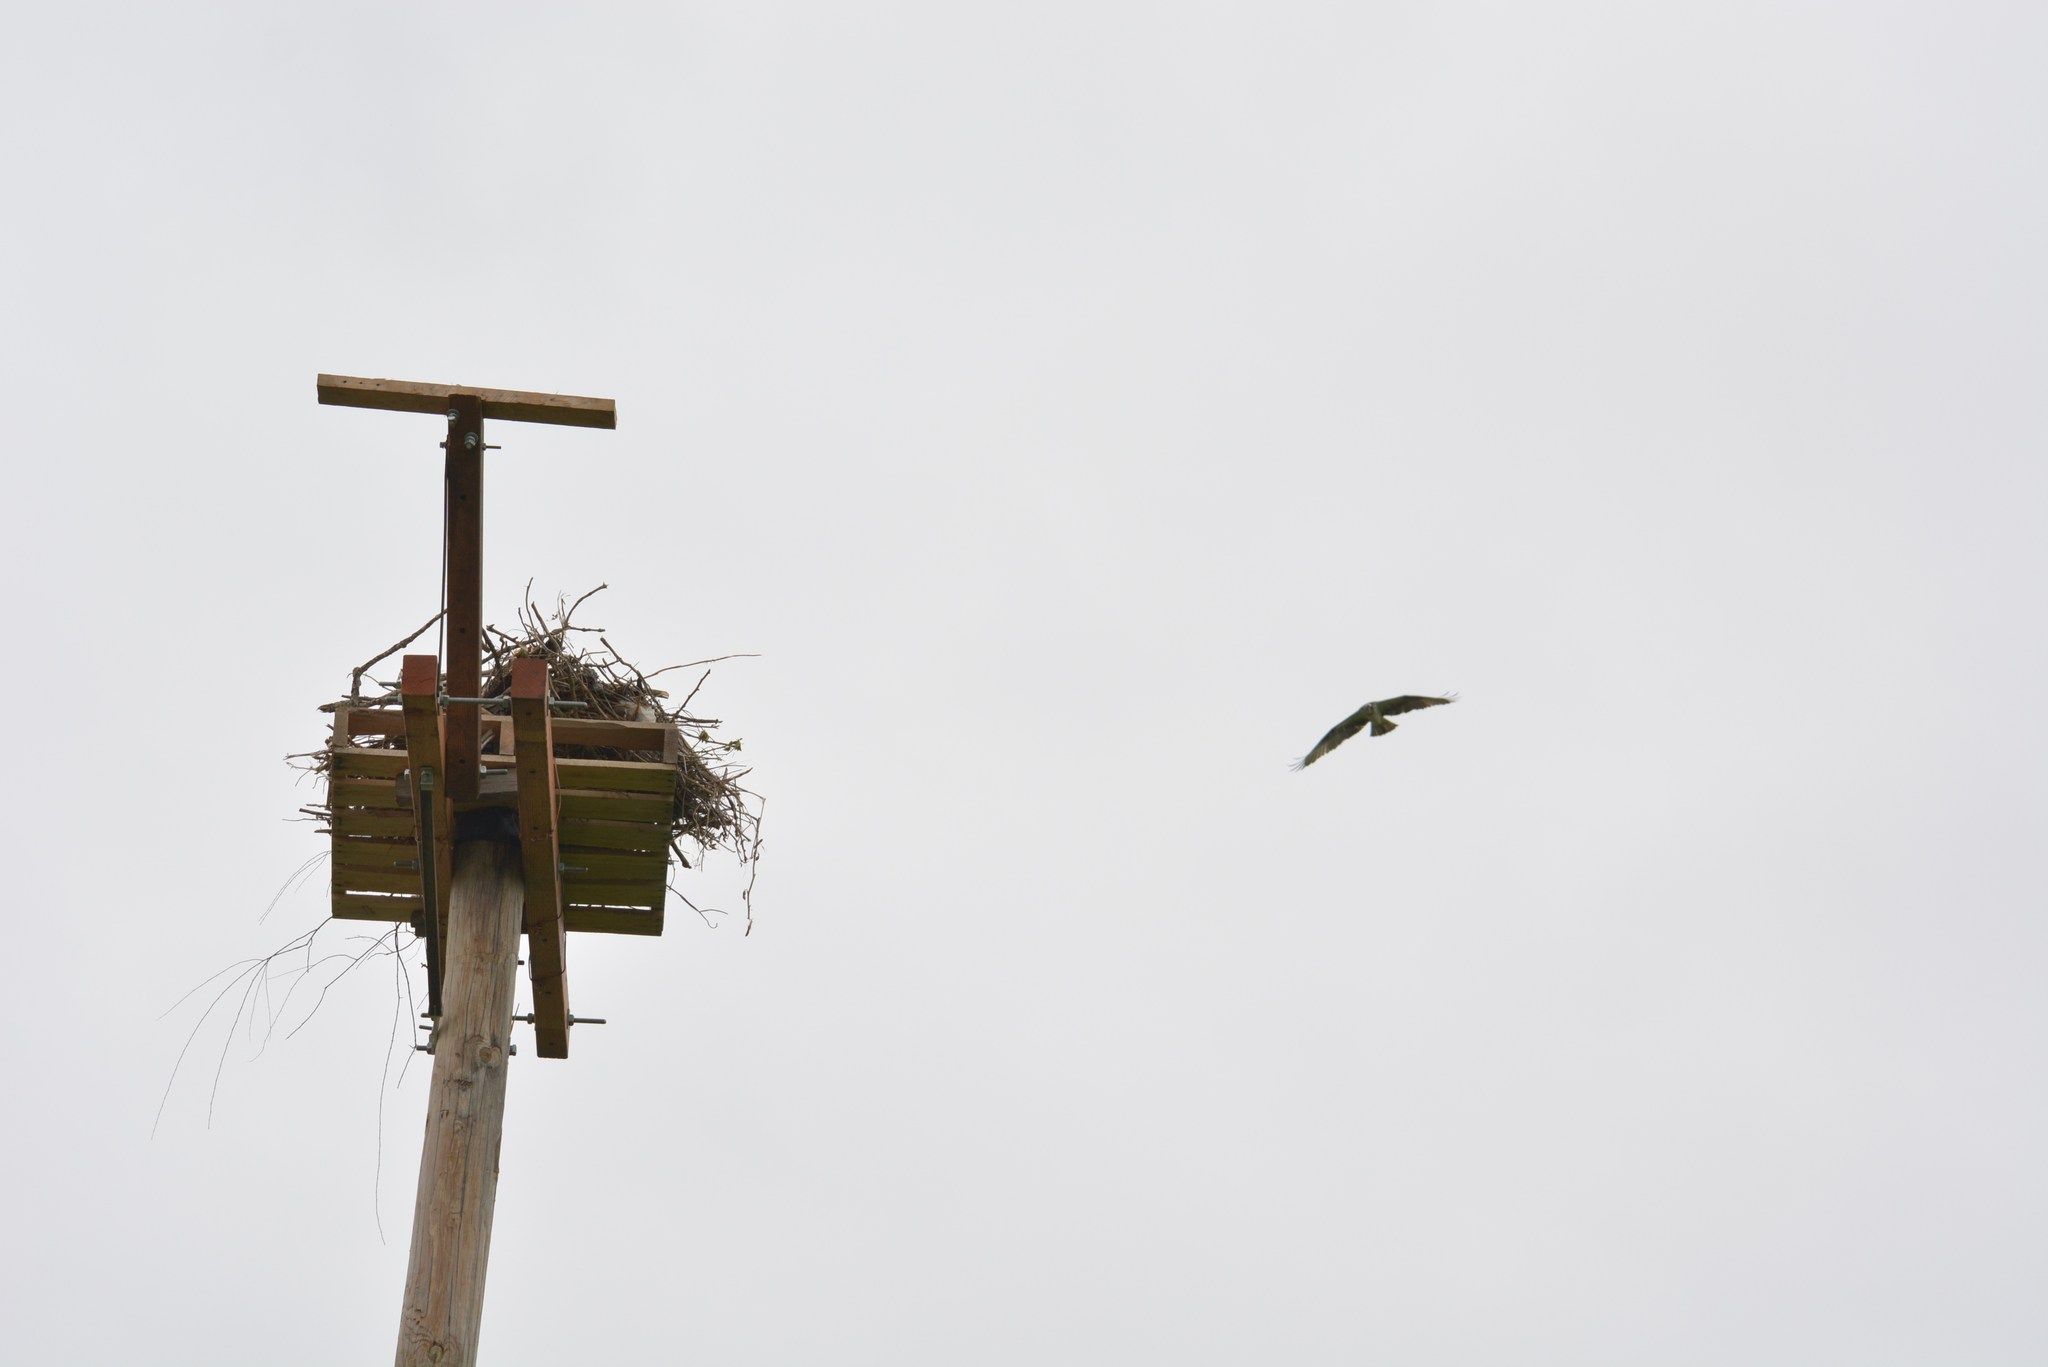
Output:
x=565 y=706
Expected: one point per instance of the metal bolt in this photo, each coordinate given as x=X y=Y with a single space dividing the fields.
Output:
x=469 y=441
x=453 y=415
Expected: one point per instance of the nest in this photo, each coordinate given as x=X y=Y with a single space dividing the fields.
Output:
x=712 y=808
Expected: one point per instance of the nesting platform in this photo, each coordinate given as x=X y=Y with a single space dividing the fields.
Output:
x=613 y=818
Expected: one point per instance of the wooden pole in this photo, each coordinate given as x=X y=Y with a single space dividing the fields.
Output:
x=451 y=1224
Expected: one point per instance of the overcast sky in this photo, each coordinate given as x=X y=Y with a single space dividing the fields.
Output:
x=1080 y=408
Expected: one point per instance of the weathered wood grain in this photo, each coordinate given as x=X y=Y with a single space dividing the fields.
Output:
x=458 y=1187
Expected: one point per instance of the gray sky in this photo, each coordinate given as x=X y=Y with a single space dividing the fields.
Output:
x=1080 y=408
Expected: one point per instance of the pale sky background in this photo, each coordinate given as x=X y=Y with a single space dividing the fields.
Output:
x=1080 y=407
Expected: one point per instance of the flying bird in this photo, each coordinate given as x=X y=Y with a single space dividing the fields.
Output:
x=1373 y=714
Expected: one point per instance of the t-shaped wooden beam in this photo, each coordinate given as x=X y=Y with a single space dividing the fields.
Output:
x=466 y=407
x=513 y=405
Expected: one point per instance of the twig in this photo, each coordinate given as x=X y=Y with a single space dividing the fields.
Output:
x=355 y=686
x=693 y=693
x=579 y=603
x=689 y=664
x=754 y=862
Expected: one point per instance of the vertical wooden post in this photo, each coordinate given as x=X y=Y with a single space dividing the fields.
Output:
x=419 y=684
x=547 y=941
x=451 y=1225
x=465 y=568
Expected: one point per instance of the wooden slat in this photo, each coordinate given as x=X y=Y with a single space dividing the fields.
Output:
x=613 y=806
x=610 y=866
x=577 y=918
x=612 y=920
x=599 y=732
x=375 y=721
x=632 y=775
x=372 y=821
x=354 y=763
x=546 y=941
x=589 y=732
x=375 y=880
x=392 y=855
x=592 y=893
x=362 y=792
x=512 y=405
x=357 y=906
x=645 y=836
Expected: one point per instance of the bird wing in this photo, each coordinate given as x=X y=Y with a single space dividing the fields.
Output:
x=1337 y=735
x=1409 y=702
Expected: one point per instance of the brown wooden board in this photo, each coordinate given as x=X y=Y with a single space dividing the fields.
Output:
x=613 y=920
x=576 y=918
x=360 y=906
x=461 y=739
x=546 y=940
x=593 y=892
x=589 y=733
x=614 y=806
x=376 y=880
x=354 y=763
x=601 y=733
x=363 y=792
x=631 y=775
x=645 y=836
x=349 y=853
x=419 y=682
x=512 y=405
x=373 y=821
x=612 y=866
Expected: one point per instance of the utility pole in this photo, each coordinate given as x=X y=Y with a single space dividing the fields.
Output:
x=471 y=843
x=451 y=1221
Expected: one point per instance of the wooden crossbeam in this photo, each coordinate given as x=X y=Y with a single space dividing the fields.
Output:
x=511 y=405
x=547 y=940
x=419 y=686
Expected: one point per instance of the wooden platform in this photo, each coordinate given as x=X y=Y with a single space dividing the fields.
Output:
x=613 y=820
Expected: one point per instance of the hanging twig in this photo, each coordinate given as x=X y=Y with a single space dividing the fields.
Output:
x=754 y=863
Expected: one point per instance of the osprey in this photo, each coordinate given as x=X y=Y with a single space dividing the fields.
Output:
x=1373 y=714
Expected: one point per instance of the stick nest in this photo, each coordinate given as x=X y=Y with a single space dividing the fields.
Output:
x=713 y=810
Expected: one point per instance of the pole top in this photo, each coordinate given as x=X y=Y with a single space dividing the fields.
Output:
x=512 y=405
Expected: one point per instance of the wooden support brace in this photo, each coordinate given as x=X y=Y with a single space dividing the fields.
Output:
x=419 y=686
x=547 y=940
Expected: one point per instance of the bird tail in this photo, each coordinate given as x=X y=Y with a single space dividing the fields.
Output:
x=1380 y=726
